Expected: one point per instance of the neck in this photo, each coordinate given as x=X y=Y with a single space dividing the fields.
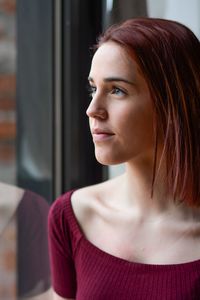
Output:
x=137 y=188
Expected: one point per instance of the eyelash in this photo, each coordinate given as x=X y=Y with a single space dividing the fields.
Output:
x=115 y=90
x=118 y=91
x=91 y=90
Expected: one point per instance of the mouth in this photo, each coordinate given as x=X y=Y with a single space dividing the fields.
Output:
x=101 y=135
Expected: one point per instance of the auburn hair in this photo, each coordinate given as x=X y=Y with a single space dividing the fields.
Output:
x=168 y=54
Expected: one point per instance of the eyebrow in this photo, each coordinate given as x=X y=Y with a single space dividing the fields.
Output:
x=110 y=79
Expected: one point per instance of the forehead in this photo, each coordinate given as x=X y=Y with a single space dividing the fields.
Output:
x=112 y=60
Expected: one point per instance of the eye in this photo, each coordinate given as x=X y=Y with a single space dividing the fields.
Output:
x=118 y=91
x=91 y=90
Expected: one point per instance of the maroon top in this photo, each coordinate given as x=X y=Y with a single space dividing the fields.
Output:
x=81 y=270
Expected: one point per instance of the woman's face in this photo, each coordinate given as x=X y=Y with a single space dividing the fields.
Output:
x=120 y=112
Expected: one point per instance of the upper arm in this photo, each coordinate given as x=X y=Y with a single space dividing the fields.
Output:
x=60 y=250
x=32 y=245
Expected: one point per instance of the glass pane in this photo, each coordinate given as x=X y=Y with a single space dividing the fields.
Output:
x=8 y=260
x=7 y=91
x=34 y=96
x=119 y=10
x=25 y=145
x=183 y=11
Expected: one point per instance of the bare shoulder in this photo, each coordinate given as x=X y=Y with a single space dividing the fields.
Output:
x=92 y=200
x=86 y=200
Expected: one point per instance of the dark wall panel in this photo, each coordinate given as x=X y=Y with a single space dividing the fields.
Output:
x=34 y=95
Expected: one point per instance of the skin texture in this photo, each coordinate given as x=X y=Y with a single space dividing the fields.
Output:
x=143 y=228
x=120 y=105
x=119 y=216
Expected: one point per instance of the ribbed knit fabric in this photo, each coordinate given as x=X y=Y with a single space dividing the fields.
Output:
x=82 y=271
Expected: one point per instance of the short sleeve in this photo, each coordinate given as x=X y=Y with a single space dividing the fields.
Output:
x=33 y=276
x=60 y=250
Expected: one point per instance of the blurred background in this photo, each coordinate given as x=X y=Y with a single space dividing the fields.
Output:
x=8 y=91
x=45 y=144
x=45 y=56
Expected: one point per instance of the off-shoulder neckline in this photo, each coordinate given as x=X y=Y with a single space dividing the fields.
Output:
x=88 y=245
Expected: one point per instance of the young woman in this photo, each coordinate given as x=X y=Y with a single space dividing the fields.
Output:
x=137 y=236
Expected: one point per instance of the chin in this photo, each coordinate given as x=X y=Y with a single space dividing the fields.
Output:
x=109 y=160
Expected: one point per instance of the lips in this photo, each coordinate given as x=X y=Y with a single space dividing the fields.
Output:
x=100 y=135
x=101 y=131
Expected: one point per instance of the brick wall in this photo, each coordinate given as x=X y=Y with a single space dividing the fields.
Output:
x=7 y=90
x=8 y=261
x=7 y=143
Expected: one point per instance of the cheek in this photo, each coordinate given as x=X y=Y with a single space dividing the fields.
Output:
x=139 y=119
x=137 y=125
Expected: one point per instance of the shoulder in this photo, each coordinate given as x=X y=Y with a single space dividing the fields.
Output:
x=32 y=213
x=84 y=204
x=61 y=203
x=85 y=199
x=92 y=201
x=60 y=212
x=34 y=203
x=10 y=195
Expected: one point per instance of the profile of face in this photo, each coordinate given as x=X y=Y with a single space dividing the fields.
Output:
x=120 y=112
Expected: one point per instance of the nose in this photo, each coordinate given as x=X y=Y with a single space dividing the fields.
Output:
x=96 y=109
